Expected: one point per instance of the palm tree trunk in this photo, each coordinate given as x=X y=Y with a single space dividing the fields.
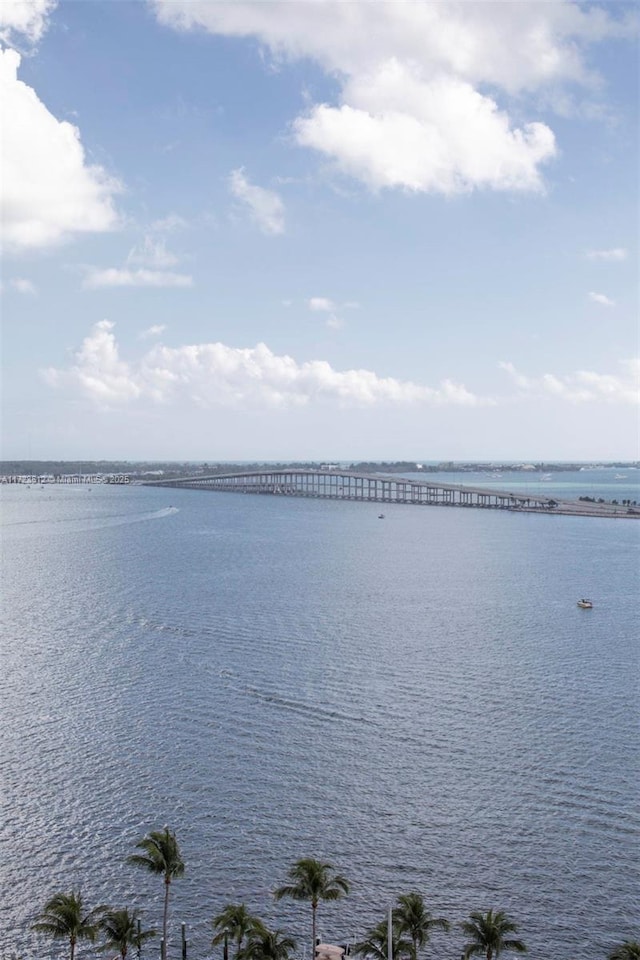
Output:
x=167 y=884
x=72 y=944
x=314 y=907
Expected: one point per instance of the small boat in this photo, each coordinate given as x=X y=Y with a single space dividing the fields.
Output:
x=585 y=604
x=381 y=516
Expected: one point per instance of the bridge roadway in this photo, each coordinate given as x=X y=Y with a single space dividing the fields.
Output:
x=380 y=488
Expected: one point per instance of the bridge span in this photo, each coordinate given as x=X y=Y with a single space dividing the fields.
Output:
x=382 y=488
x=375 y=488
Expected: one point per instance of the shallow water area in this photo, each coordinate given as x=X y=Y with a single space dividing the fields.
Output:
x=417 y=700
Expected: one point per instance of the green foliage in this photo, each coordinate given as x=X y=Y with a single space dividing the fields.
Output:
x=264 y=944
x=313 y=881
x=235 y=923
x=629 y=950
x=416 y=922
x=64 y=917
x=161 y=854
x=488 y=933
x=120 y=927
x=161 y=857
x=376 y=942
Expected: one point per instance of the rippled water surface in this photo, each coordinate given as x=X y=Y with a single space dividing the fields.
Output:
x=417 y=700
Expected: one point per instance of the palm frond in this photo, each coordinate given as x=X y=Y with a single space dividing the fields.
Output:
x=376 y=942
x=289 y=890
x=161 y=854
x=313 y=880
x=416 y=921
x=516 y=945
x=472 y=949
x=629 y=950
x=488 y=934
x=63 y=916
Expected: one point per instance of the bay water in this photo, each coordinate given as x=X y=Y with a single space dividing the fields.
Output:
x=417 y=700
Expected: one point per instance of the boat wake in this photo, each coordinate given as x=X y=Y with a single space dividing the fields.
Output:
x=93 y=523
x=310 y=709
x=136 y=518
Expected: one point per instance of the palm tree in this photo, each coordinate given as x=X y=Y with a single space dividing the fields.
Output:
x=64 y=917
x=161 y=856
x=376 y=943
x=264 y=944
x=121 y=930
x=313 y=881
x=235 y=922
x=415 y=920
x=489 y=935
x=629 y=950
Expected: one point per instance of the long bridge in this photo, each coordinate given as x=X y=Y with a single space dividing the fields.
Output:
x=378 y=488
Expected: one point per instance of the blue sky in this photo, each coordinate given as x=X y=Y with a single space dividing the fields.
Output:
x=320 y=230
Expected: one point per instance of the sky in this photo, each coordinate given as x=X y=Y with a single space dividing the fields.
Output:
x=319 y=230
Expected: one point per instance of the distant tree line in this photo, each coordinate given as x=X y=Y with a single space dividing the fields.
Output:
x=172 y=469
x=625 y=503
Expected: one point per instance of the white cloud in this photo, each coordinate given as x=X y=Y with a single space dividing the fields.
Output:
x=322 y=304
x=602 y=299
x=49 y=192
x=614 y=254
x=117 y=277
x=152 y=252
x=98 y=371
x=265 y=206
x=410 y=112
x=213 y=374
x=24 y=19
x=153 y=331
x=152 y=258
x=22 y=285
x=442 y=136
x=582 y=386
x=521 y=46
x=325 y=305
